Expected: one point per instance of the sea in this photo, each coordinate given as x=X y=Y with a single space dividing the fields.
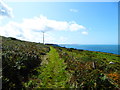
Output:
x=114 y=49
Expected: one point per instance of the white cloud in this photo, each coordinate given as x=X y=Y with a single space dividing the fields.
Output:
x=75 y=27
x=30 y=29
x=85 y=33
x=5 y=10
x=42 y=23
x=74 y=10
x=11 y=29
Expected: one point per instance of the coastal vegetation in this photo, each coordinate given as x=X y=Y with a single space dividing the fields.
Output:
x=30 y=65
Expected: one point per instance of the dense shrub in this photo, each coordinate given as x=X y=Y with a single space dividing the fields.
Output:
x=18 y=61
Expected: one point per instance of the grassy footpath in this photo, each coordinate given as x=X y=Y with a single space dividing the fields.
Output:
x=52 y=74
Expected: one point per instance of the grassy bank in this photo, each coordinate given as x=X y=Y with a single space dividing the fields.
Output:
x=34 y=65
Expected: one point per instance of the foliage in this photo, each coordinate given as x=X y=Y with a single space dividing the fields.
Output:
x=115 y=78
x=34 y=65
x=19 y=58
x=84 y=76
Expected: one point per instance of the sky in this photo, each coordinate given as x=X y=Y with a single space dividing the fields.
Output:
x=62 y=22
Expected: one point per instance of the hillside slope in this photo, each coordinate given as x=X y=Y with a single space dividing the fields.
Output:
x=34 y=65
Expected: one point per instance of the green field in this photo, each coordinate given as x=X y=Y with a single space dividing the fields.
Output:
x=29 y=65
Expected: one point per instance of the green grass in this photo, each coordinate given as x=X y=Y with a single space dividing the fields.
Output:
x=53 y=74
x=34 y=65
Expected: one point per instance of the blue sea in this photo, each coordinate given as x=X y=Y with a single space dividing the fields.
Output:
x=101 y=48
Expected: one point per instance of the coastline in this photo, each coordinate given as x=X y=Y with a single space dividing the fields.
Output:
x=90 y=48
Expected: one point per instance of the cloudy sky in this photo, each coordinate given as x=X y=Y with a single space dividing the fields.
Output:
x=70 y=22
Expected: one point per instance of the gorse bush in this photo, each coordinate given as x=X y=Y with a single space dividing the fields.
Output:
x=84 y=76
x=18 y=61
